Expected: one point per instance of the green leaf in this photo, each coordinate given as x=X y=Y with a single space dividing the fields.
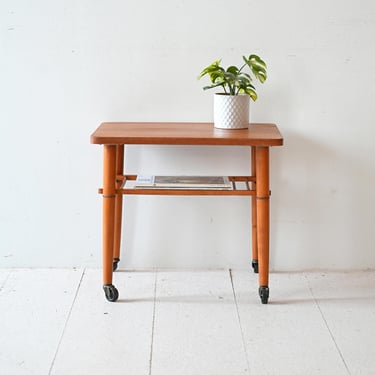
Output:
x=240 y=85
x=215 y=66
x=256 y=60
x=253 y=95
x=262 y=76
x=233 y=70
x=259 y=73
x=229 y=76
x=247 y=76
x=216 y=76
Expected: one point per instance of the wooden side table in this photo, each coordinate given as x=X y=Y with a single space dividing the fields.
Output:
x=115 y=135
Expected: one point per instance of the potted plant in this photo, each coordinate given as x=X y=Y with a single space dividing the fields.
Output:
x=231 y=107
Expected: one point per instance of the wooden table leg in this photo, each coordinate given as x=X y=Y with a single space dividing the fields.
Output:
x=109 y=196
x=118 y=206
x=254 y=239
x=263 y=220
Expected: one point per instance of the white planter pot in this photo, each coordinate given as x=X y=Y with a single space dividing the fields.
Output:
x=231 y=111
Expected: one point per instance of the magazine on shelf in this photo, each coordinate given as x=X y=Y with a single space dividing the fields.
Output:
x=183 y=182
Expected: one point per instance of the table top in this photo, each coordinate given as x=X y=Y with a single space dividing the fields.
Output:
x=185 y=133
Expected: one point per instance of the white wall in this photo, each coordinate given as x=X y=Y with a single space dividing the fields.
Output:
x=66 y=66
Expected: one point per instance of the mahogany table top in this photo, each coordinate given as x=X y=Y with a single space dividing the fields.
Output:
x=185 y=133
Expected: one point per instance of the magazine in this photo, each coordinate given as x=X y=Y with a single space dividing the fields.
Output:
x=183 y=182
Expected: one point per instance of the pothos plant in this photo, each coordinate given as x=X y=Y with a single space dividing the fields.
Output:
x=234 y=80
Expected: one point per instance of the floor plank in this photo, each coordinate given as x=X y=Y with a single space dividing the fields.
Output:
x=315 y=323
x=347 y=302
x=289 y=335
x=109 y=338
x=4 y=274
x=196 y=328
x=34 y=306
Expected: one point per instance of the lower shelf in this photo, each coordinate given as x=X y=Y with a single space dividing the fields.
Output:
x=241 y=186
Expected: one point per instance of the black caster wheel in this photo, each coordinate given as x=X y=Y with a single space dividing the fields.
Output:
x=111 y=293
x=264 y=293
x=254 y=264
x=115 y=262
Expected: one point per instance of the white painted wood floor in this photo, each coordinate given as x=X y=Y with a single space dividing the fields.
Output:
x=180 y=323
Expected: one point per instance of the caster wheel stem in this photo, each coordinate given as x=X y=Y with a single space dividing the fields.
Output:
x=115 y=263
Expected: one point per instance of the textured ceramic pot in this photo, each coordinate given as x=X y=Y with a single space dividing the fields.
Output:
x=231 y=111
